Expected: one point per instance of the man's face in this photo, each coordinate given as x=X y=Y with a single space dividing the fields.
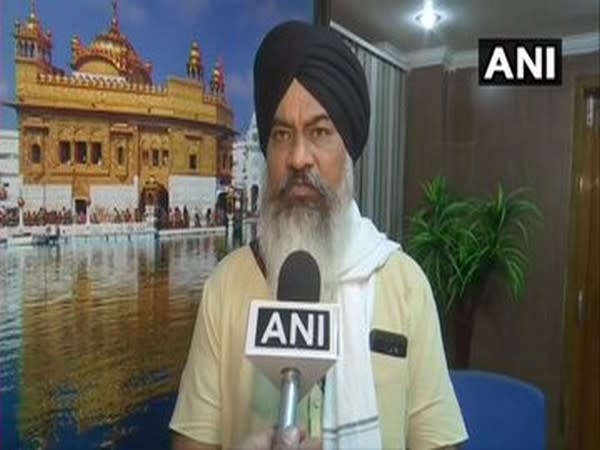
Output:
x=303 y=146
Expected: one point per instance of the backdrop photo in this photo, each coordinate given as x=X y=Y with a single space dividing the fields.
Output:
x=128 y=158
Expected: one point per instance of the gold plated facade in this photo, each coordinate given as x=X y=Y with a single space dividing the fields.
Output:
x=106 y=122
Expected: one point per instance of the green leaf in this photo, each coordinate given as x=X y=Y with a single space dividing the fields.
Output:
x=460 y=241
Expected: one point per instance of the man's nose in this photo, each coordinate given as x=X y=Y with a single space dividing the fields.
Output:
x=301 y=156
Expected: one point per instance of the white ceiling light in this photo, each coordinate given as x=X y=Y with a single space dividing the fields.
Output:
x=428 y=18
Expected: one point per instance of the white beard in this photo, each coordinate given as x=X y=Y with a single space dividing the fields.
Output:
x=321 y=231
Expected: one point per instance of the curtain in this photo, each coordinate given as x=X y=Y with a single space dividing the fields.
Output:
x=378 y=174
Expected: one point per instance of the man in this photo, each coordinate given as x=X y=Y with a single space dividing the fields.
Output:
x=312 y=111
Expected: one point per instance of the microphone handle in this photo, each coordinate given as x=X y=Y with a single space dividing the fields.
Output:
x=290 y=395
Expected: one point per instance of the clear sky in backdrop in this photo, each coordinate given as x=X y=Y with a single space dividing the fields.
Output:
x=161 y=31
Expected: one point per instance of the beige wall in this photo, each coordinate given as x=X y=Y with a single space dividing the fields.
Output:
x=519 y=136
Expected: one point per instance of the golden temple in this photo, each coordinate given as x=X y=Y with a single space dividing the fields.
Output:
x=106 y=135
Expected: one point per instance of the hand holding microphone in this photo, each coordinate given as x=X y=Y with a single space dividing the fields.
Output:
x=299 y=281
x=293 y=438
x=293 y=341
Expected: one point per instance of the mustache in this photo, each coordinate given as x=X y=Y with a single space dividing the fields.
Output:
x=305 y=177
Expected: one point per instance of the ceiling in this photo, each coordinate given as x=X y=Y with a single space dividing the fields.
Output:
x=464 y=21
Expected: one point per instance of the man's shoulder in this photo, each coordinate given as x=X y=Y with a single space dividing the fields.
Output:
x=234 y=260
x=237 y=263
x=402 y=279
x=400 y=266
x=404 y=295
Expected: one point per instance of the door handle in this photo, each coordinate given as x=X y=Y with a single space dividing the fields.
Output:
x=580 y=307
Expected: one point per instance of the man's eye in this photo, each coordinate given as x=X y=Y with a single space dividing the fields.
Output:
x=280 y=135
x=320 y=132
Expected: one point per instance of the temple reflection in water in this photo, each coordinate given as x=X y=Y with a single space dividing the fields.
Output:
x=93 y=330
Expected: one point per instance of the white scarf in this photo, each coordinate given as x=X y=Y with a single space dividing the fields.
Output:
x=350 y=407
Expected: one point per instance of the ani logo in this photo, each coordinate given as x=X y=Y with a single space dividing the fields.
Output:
x=520 y=62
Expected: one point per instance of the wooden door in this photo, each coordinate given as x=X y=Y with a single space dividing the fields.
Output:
x=582 y=313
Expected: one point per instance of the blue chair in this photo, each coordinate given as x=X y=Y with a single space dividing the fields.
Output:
x=501 y=413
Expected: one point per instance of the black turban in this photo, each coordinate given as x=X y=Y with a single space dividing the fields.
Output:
x=319 y=60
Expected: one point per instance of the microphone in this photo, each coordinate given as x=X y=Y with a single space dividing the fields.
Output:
x=293 y=340
x=299 y=281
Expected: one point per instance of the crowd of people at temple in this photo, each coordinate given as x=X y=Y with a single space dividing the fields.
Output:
x=171 y=218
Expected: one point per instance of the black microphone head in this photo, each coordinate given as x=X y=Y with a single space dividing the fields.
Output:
x=299 y=278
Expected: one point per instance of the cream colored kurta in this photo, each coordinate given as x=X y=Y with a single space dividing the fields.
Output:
x=223 y=398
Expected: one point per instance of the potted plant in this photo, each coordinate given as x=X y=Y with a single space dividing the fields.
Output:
x=460 y=242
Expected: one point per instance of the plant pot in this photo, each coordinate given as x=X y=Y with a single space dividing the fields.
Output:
x=463 y=318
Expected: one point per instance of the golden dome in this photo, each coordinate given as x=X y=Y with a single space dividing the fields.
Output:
x=32 y=22
x=32 y=30
x=195 y=50
x=113 y=48
x=217 y=81
x=194 y=64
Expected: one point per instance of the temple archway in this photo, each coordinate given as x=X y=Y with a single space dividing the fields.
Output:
x=156 y=196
